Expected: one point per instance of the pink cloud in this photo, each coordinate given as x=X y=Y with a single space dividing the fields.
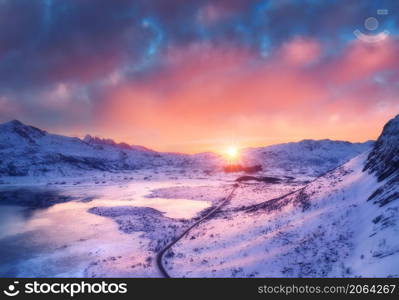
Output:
x=362 y=59
x=301 y=51
x=211 y=93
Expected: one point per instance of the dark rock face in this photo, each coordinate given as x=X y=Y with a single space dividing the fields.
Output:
x=383 y=160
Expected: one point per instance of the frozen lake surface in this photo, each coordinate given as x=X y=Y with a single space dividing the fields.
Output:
x=67 y=240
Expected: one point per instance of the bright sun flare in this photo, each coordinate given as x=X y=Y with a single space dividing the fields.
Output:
x=232 y=152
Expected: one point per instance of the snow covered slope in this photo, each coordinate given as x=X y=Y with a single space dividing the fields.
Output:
x=305 y=157
x=29 y=151
x=344 y=223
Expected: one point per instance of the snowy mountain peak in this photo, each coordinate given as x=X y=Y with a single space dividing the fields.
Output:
x=27 y=132
x=94 y=140
x=28 y=150
x=392 y=127
x=383 y=160
x=14 y=123
x=100 y=141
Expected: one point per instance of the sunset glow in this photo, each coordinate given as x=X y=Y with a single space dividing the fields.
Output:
x=232 y=152
x=184 y=82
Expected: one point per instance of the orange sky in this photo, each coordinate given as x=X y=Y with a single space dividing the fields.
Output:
x=193 y=76
x=208 y=98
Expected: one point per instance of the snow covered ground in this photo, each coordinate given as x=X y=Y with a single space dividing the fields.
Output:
x=112 y=222
x=291 y=238
x=343 y=224
x=108 y=225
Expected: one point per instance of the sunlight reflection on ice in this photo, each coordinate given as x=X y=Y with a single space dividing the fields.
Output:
x=64 y=239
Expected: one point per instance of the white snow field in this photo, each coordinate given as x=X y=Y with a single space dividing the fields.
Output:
x=94 y=208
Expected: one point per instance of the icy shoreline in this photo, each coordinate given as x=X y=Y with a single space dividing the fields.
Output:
x=84 y=235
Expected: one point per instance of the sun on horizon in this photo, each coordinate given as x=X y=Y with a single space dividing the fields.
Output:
x=231 y=153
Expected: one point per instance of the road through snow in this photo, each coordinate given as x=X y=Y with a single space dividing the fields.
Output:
x=207 y=216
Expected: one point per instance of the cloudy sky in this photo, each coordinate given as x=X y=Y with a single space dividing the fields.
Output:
x=196 y=75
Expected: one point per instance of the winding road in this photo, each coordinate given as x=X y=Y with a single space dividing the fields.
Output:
x=178 y=238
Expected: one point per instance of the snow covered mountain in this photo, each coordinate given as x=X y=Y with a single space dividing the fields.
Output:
x=26 y=150
x=305 y=157
x=29 y=151
x=344 y=224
